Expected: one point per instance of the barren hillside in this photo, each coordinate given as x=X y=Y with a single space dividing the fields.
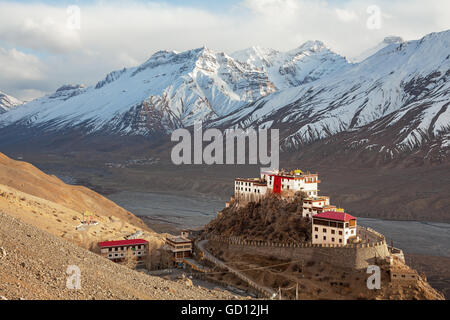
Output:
x=33 y=265
x=48 y=203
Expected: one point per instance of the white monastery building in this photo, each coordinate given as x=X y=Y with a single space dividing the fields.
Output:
x=330 y=225
x=315 y=205
x=276 y=181
x=333 y=227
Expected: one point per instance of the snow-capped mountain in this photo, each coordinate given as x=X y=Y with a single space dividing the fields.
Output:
x=394 y=100
x=399 y=97
x=172 y=90
x=168 y=91
x=7 y=102
x=307 y=63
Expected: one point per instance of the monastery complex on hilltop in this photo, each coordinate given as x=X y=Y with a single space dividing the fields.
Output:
x=331 y=225
x=285 y=183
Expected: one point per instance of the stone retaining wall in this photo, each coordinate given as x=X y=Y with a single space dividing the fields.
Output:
x=358 y=256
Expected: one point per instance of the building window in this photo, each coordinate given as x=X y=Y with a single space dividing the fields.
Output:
x=340 y=233
x=324 y=238
x=340 y=240
x=324 y=230
x=317 y=236
x=332 y=239
x=333 y=232
x=316 y=229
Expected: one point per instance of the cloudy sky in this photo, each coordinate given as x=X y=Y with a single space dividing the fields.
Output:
x=45 y=44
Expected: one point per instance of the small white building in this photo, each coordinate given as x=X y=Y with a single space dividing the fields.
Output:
x=249 y=189
x=333 y=227
x=315 y=205
x=180 y=247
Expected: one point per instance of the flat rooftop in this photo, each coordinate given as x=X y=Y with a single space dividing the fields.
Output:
x=292 y=173
x=178 y=239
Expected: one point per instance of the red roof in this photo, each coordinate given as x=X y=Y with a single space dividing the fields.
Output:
x=119 y=243
x=333 y=215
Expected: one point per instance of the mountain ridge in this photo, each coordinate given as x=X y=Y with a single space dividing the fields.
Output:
x=8 y=102
x=394 y=100
x=405 y=83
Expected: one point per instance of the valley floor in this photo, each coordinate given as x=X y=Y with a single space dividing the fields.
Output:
x=393 y=193
x=437 y=270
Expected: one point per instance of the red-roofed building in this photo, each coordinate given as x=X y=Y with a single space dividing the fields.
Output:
x=119 y=250
x=333 y=227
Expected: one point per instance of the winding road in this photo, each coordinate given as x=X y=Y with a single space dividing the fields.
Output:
x=201 y=246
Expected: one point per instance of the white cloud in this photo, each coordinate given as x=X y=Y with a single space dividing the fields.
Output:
x=273 y=8
x=346 y=15
x=37 y=27
x=116 y=34
x=26 y=66
x=20 y=72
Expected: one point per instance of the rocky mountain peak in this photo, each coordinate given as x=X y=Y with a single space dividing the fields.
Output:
x=8 y=102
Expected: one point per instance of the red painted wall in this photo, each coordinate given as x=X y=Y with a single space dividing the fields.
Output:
x=277 y=184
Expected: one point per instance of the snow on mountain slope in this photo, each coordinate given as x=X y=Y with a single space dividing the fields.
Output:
x=394 y=99
x=387 y=41
x=7 y=102
x=406 y=82
x=307 y=63
x=168 y=91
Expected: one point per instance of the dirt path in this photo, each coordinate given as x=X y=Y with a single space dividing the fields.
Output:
x=201 y=246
